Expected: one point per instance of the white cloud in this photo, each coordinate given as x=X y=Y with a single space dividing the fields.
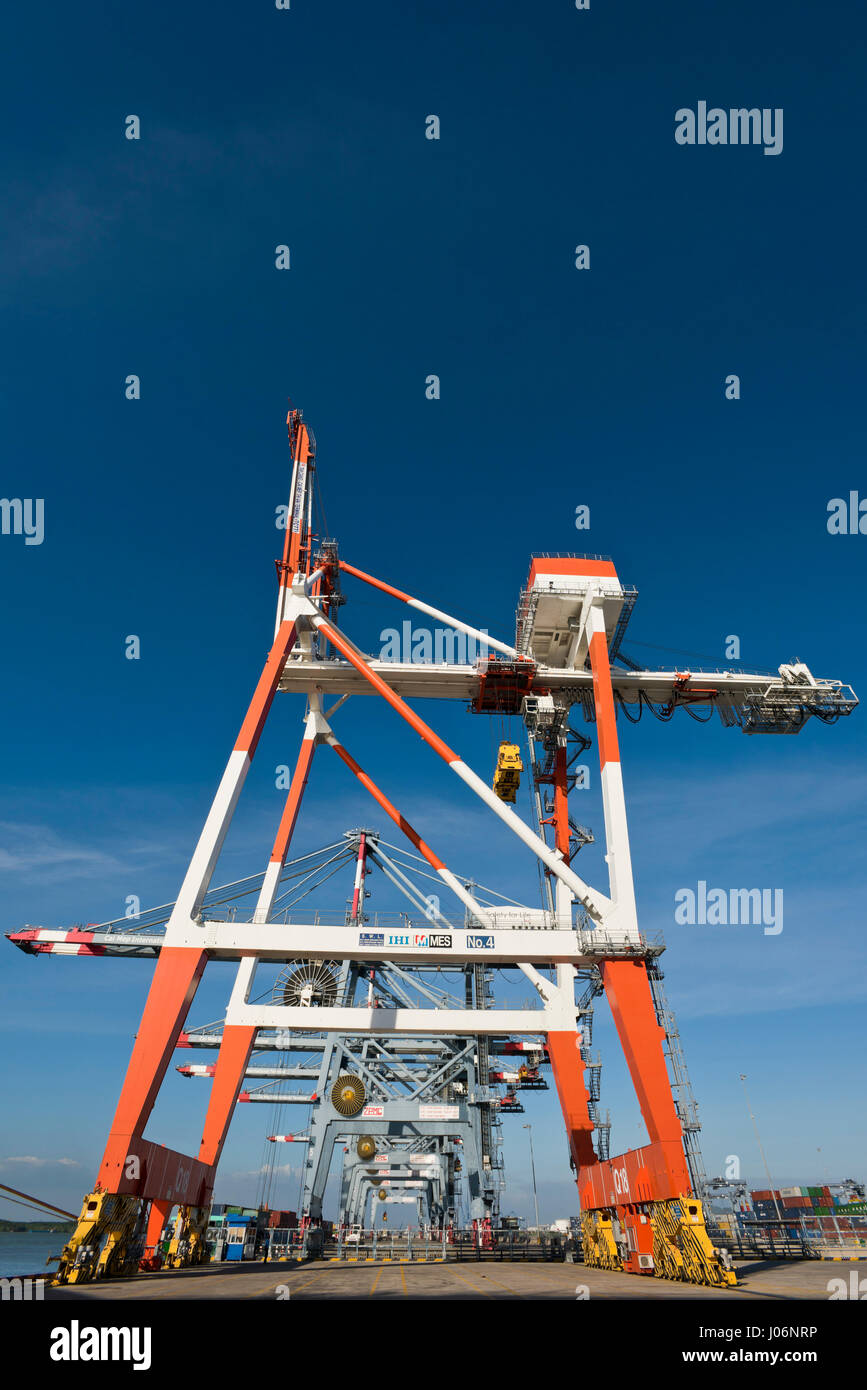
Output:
x=32 y=1161
x=30 y=847
x=285 y=1170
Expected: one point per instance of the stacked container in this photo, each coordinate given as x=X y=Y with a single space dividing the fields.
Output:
x=284 y=1219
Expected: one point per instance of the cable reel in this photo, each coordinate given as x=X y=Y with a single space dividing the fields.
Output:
x=307 y=984
x=348 y=1095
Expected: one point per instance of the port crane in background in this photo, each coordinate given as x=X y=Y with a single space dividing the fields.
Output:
x=366 y=1087
x=641 y=1212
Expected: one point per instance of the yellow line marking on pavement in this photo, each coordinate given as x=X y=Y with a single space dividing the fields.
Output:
x=507 y=1287
x=464 y=1280
x=403 y=1280
x=294 y=1288
x=376 y=1281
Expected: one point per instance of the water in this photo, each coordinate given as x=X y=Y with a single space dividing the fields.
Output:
x=24 y=1252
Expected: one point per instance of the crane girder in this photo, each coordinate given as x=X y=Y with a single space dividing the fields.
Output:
x=759 y=703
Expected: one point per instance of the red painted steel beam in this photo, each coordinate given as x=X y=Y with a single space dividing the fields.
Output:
x=627 y=989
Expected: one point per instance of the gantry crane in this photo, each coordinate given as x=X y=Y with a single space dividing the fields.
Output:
x=640 y=1210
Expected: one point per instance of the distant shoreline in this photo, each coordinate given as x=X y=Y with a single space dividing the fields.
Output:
x=45 y=1227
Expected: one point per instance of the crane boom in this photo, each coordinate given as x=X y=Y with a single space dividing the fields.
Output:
x=548 y=671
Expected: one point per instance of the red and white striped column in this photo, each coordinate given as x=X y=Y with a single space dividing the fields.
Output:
x=296 y=522
x=358 y=887
x=618 y=855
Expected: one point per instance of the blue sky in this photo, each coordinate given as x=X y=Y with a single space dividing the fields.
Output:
x=558 y=388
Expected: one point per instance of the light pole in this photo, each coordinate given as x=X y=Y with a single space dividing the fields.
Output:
x=529 y=1128
x=761 y=1150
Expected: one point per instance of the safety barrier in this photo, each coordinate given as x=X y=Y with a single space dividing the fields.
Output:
x=398 y=1247
x=513 y=1245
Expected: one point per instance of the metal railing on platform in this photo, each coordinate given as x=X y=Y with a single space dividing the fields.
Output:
x=514 y=1245
x=798 y=1238
x=400 y=1247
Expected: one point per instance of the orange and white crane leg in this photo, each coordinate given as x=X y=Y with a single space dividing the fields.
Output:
x=237 y=1040
x=287 y=823
x=134 y=1168
x=198 y=876
x=626 y=984
x=125 y=1163
x=622 y=889
x=638 y=1212
x=157 y=1218
x=564 y=1048
x=567 y=1067
x=627 y=990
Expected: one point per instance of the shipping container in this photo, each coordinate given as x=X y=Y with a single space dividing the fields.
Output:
x=763 y=1195
x=790 y=1191
x=286 y=1219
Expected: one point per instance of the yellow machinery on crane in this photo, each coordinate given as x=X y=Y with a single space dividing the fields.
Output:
x=507 y=777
